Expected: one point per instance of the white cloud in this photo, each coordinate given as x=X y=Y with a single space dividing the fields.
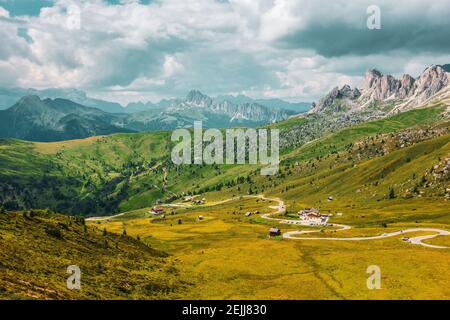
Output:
x=133 y=51
x=4 y=13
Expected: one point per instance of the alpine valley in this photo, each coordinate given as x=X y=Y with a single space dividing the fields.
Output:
x=363 y=180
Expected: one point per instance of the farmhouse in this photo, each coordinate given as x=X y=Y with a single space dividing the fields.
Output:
x=313 y=215
x=157 y=211
x=309 y=213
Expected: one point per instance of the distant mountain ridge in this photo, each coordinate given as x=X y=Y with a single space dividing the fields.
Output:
x=9 y=96
x=36 y=119
x=55 y=119
x=181 y=113
x=298 y=107
x=247 y=111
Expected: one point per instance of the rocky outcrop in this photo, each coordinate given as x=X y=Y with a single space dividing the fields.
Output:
x=432 y=80
x=406 y=86
x=377 y=87
x=346 y=93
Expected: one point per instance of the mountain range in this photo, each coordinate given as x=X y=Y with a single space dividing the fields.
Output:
x=61 y=114
x=392 y=95
x=9 y=96
x=298 y=107
x=52 y=119
x=378 y=96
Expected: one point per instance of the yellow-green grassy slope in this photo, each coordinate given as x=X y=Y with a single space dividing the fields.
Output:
x=37 y=247
x=230 y=256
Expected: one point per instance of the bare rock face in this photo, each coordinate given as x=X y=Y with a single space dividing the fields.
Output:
x=407 y=92
x=433 y=79
x=377 y=86
x=370 y=78
x=406 y=86
x=387 y=86
x=346 y=93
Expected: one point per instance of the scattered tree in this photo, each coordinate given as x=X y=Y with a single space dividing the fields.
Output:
x=391 y=193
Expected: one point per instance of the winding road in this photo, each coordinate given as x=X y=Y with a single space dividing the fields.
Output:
x=281 y=208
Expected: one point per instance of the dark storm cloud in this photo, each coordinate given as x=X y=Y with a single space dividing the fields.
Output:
x=417 y=29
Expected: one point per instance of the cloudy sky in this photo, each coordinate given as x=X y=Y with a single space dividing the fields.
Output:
x=129 y=50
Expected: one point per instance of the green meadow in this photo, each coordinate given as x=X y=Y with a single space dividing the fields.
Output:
x=378 y=177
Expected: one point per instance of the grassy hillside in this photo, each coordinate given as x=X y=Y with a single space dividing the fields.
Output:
x=122 y=172
x=37 y=247
x=382 y=176
x=230 y=256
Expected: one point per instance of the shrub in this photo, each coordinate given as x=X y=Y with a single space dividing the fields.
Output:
x=54 y=232
x=391 y=194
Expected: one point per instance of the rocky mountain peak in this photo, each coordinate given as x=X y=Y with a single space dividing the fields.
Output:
x=377 y=86
x=29 y=99
x=347 y=92
x=344 y=93
x=29 y=104
x=369 y=78
x=433 y=79
x=248 y=111
x=197 y=98
x=406 y=92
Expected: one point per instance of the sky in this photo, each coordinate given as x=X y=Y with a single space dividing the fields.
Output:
x=140 y=50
